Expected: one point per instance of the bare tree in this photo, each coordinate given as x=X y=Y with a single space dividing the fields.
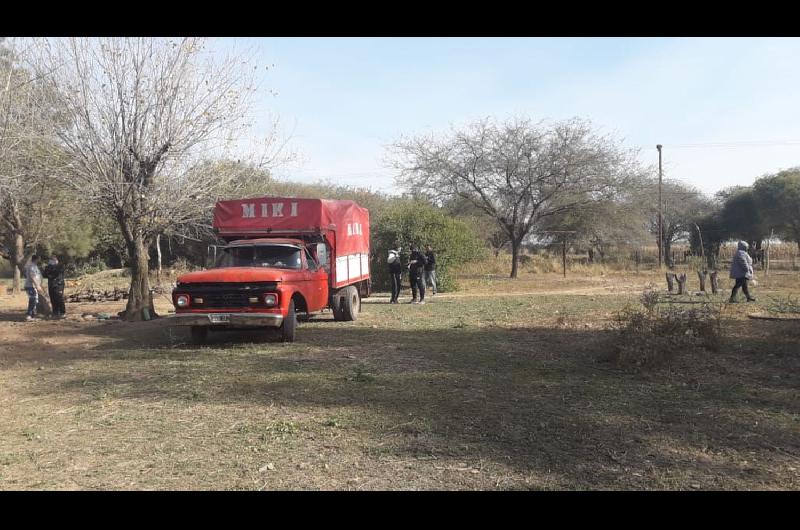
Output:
x=144 y=113
x=518 y=173
x=683 y=206
x=28 y=158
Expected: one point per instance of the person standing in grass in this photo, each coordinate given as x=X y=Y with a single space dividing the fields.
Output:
x=54 y=272
x=33 y=284
x=395 y=271
x=741 y=271
x=430 y=269
x=416 y=270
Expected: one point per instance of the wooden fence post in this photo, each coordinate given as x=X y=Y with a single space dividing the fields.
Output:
x=670 y=277
x=681 y=283
x=702 y=276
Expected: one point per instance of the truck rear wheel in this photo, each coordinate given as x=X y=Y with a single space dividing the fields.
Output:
x=199 y=334
x=289 y=324
x=351 y=303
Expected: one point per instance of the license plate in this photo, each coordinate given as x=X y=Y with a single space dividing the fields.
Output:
x=219 y=318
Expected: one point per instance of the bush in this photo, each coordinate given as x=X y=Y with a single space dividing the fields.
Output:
x=653 y=334
x=417 y=222
x=92 y=266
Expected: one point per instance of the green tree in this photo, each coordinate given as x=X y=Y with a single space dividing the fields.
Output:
x=416 y=222
x=742 y=217
x=778 y=198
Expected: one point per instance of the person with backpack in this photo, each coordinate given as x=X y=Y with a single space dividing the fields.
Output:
x=430 y=268
x=416 y=270
x=395 y=271
x=54 y=272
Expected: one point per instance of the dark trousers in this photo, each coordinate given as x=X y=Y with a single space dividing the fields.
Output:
x=57 y=299
x=740 y=282
x=417 y=284
x=395 y=285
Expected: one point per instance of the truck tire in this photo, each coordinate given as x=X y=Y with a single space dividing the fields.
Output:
x=199 y=334
x=337 y=303
x=289 y=325
x=351 y=303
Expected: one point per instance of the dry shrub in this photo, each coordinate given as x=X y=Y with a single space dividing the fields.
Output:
x=653 y=334
x=784 y=305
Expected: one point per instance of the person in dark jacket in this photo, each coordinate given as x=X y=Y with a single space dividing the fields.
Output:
x=395 y=271
x=416 y=270
x=430 y=268
x=741 y=271
x=54 y=272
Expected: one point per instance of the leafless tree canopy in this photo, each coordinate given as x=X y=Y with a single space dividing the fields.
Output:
x=519 y=173
x=143 y=114
x=29 y=158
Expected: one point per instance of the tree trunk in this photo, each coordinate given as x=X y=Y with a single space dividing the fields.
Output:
x=667 y=252
x=515 y=244
x=714 y=284
x=158 y=253
x=18 y=263
x=139 y=297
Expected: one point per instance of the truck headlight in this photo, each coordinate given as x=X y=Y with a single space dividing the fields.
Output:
x=270 y=300
x=182 y=300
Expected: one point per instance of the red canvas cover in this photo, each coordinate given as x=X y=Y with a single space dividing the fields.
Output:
x=345 y=224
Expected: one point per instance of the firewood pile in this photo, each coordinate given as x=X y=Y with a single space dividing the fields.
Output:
x=97 y=295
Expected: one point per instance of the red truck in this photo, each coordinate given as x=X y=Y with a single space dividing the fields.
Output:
x=283 y=256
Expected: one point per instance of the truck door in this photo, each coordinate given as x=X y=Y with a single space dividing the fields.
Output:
x=317 y=283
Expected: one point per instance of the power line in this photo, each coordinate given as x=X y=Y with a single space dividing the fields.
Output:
x=730 y=145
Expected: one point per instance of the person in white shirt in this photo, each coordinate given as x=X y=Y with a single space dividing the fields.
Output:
x=33 y=284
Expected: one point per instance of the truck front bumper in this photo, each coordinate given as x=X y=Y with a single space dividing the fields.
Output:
x=233 y=320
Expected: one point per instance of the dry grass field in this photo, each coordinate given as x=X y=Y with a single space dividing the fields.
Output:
x=502 y=385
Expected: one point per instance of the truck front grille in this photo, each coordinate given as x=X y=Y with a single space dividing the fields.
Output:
x=225 y=300
x=226 y=295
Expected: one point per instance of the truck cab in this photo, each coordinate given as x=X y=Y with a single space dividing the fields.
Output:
x=266 y=282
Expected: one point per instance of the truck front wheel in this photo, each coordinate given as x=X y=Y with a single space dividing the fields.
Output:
x=289 y=324
x=199 y=334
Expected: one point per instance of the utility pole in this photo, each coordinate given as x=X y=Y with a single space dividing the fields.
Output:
x=660 y=229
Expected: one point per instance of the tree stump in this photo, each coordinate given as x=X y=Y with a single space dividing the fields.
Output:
x=714 y=284
x=702 y=276
x=670 y=278
x=681 y=283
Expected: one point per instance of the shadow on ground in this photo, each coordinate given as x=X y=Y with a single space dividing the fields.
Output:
x=535 y=399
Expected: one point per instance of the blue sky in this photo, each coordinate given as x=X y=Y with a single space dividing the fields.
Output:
x=344 y=99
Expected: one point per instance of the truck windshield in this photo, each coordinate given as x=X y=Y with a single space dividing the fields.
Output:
x=276 y=256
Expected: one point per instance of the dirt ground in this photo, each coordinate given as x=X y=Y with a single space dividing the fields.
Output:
x=495 y=387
